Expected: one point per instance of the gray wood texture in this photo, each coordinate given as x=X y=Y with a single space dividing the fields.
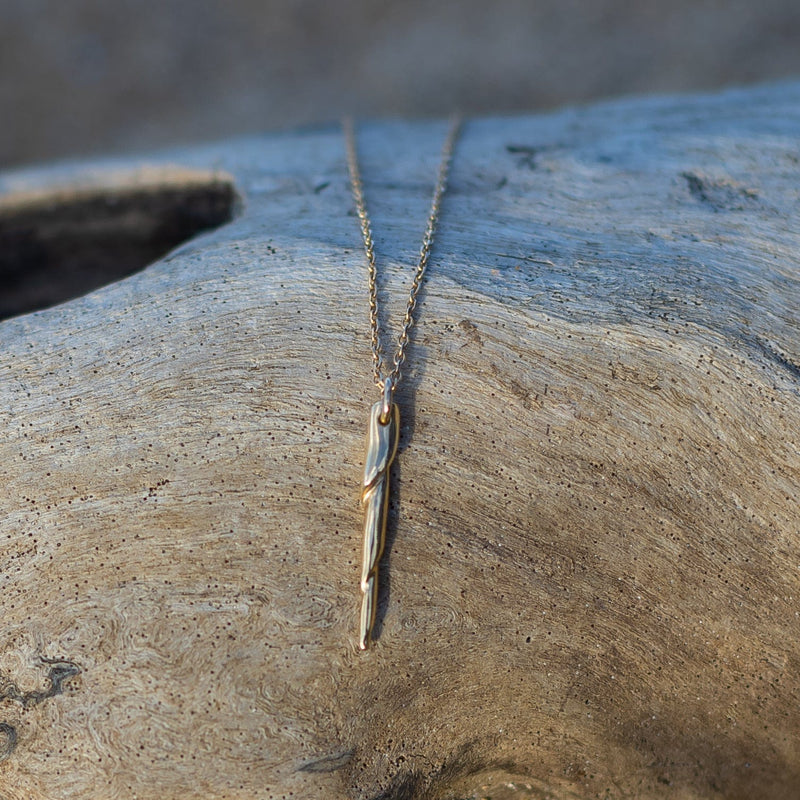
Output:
x=593 y=567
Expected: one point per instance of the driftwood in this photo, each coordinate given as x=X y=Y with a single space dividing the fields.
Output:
x=594 y=557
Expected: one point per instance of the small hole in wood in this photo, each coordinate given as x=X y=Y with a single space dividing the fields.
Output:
x=61 y=242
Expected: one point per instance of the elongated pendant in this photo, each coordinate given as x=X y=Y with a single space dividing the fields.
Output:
x=381 y=449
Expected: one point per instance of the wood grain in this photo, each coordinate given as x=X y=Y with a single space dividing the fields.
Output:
x=594 y=547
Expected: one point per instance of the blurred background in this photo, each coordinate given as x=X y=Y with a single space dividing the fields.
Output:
x=87 y=76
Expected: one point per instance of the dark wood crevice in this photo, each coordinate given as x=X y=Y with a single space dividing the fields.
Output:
x=61 y=245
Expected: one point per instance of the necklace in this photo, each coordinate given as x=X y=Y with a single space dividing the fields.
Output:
x=384 y=418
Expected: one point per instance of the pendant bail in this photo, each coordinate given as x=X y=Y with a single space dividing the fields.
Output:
x=386 y=408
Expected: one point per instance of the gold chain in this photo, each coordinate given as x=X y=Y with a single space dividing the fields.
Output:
x=387 y=383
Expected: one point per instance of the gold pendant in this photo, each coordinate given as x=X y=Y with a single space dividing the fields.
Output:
x=384 y=424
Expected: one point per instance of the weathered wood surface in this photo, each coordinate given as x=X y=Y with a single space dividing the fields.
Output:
x=595 y=549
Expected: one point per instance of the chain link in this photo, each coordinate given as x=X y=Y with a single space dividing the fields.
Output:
x=399 y=358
